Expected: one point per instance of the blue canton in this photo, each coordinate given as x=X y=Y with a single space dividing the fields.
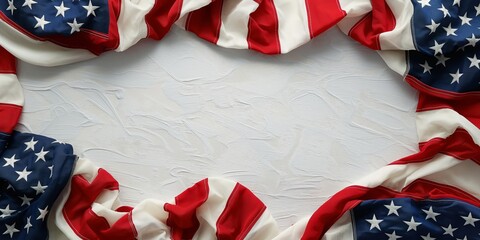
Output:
x=404 y=218
x=446 y=34
x=57 y=17
x=33 y=171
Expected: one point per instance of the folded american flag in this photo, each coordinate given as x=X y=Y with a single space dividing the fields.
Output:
x=47 y=192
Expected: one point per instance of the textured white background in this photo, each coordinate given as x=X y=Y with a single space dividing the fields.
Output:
x=294 y=128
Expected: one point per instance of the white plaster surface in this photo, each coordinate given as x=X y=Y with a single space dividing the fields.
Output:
x=293 y=128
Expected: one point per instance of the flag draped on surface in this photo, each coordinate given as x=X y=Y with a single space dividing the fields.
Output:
x=45 y=191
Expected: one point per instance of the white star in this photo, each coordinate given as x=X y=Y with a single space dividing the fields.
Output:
x=23 y=174
x=477 y=8
x=91 y=9
x=456 y=2
x=25 y=200
x=10 y=187
x=41 y=155
x=472 y=41
x=29 y=3
x=75 y=26
x=444 y=10
x=43 y=213
x=431 y=214
x=449 y=230
x=441 y=60
x=374 y=223
x=30 y=145
x=39 y=188
x=6 y=212
x=51 y=171
x=11 y=161
x=10 y=230
x=11 y=7
x=41 y=22
x=474 y=61
x=28 y=225
x=433 y=26
x=393 y=236
x=61 y=9
x=437 y=47
x=412 y=225
x=456 y=78
x=427 y=237
x=392 y=208
x=470 y=220
x=426 y=68
x=465 y=19
x=450 y=30
x=424 y=3
x=465 y=238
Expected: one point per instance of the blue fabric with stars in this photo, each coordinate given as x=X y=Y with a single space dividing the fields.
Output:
x=57 y=17
x=404 y=218
x=445 y=34
x=33 y=171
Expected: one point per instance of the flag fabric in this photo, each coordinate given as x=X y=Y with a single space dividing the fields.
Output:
x=47 y=192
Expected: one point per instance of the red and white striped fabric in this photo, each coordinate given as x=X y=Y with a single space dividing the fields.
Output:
x=416 y=39
x=11 y=94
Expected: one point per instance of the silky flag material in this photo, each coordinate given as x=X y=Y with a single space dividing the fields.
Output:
x=48 y=192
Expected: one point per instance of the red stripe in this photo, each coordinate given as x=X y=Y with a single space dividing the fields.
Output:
x=206 y=21
x=263 y=29
x=9 y=115
x=351 y=196
x=459 y=145
x=8 y=63
x=424 y=88
x=182 y=218
x=322 y=15
x=367 y=31
x=94 y=42
x=466 y=104
x=467 y=108
x=83 y=221
x=242 y=211
x=162 y=16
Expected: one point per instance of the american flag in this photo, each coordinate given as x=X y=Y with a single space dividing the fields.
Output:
x=410 y=219
x=434 y=194
x=45 y=18
x=446 y=34
x=34 y=170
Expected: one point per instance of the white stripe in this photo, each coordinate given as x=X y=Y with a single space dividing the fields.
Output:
x=401 y=36
x=265 y=228
x=58 y=227
x=41 y=53
x=149 y=218
x=208 y=214
x=10 y=90
x=105 y=205
x=192 y=5
x=442 y=123
x=341 y=230
x=234 y=28
x=131 y=22
x=355 y=10
x=395 y=60
x=443 y=169
x=293 y=26
x=463 y=176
